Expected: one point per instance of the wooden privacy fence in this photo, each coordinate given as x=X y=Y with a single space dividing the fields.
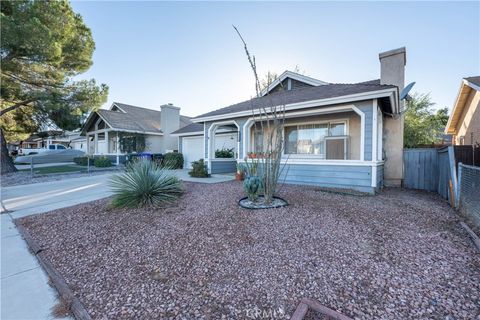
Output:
x=421 y=169
x=432 y=170
x=437 y=169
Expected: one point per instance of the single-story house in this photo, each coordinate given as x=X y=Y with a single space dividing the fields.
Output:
x=464 y=121
x=127 y=129
x=336 y=134
x=44 y=139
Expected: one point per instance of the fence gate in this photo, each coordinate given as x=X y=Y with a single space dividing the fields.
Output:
x=421 y=169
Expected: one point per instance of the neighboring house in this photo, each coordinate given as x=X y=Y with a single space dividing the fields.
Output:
x=76 y=141
x=45 y=139
x=464 y=121
x=336 y=135
x=108 y=132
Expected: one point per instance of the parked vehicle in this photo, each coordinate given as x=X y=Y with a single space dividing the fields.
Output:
x=26 y=152
x=51 y=156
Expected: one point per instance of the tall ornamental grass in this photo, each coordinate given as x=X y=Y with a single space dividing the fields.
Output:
x=144 y=184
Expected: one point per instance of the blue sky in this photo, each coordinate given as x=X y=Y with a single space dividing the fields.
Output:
x=187 y=53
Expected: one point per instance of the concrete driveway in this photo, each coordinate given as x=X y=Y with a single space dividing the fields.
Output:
x=41 y=197
x=25 y=293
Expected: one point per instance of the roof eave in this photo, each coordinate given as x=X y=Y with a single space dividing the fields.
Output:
x=450 y=128
x=390 y=92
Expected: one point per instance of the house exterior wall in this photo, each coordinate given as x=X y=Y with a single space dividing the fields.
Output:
x=332 y=176
x=364 y=175
x=353 y=124
x=469 y=122
x=392 y=71
x=223 y=166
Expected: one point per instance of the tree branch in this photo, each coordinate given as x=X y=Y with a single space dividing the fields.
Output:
x=16 y=106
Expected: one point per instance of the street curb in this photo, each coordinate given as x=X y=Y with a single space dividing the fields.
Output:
x=76 y=307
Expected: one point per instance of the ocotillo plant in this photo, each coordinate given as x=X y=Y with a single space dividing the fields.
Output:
x=269 y=120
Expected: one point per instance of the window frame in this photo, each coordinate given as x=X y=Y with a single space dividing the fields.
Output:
x=328 y=122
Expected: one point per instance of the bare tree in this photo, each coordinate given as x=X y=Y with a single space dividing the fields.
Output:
x=268 y=119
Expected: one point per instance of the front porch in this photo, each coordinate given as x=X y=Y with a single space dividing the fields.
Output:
x=337 y=147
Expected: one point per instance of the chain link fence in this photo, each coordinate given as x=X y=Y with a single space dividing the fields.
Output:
x=469 y=193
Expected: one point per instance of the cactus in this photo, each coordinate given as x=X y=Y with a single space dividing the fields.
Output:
x=252 y=186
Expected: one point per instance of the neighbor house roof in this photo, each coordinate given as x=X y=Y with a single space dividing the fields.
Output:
x=468 y=85
x=322 y=92
x=190 y=129
x=124 y=117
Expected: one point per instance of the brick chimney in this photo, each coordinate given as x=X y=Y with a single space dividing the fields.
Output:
x=392 y=71
x=169 y=122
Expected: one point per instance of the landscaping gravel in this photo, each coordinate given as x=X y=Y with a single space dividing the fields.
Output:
x=397 y=255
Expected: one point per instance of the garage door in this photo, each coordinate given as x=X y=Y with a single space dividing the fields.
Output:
x=192 y=150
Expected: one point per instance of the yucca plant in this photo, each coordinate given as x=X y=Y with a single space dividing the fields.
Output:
x=144 y=184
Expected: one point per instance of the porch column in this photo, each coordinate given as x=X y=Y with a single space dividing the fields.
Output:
x=95 y=141
x=246 y=138
x=107 y=142
x=118 y=148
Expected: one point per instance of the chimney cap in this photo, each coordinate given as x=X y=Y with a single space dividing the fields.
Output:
x=169 y=106
x=393 y=52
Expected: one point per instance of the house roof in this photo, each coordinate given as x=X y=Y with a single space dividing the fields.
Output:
x=468 y=85
x=190 y=129
x=132 y=118
x=286 y=97
x=292 y=75
x=473 y=80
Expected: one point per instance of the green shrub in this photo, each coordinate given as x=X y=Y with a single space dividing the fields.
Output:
x=81 y=161
x=102 y=162
x=199 y=169
x=173 y=160
x=224 y=153
x=144 y=184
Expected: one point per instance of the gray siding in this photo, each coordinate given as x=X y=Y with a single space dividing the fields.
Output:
x=379 y=176
x=367 y=109
x=223 y=166
x=333 y=176
x=295 y=84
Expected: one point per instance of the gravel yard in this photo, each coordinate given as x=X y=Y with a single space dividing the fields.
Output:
x=397 y=255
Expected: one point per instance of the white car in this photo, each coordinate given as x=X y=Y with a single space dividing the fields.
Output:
x=26 y=152
x=51 y=156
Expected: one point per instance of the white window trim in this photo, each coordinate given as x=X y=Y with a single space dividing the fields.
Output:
x=342 y=108
x=335 y=121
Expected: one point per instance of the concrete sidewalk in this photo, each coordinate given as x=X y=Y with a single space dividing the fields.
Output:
x=25 y=293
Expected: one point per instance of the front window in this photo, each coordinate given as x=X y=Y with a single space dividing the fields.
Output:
x=309 y=139
x=258 y=137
